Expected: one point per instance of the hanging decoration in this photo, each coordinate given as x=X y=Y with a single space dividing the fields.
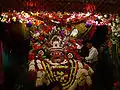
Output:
x=115 y=26
x=115 y=36
x=55 y=18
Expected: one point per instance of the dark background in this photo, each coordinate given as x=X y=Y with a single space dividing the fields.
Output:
x=104 y=6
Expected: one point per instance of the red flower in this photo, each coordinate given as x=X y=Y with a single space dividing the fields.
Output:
x=72 y=41
x=68 y=29
x=78 y=57
x=50 y=27
x=41 y=38
x=33 y=41
x=39 y=47
x=31 y=56
x=70 y=49
x=66 y=16
x=35 y=46
x=47 y=29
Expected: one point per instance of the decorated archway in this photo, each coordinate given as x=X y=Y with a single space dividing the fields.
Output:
x=55 y=41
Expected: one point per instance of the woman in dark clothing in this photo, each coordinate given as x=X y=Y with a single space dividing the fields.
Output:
x=106 y=69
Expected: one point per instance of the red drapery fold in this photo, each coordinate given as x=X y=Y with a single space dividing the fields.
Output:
x=92 y=31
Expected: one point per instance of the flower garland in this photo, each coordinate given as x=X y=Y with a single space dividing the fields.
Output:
x=71 y=77
x=46 y=71
x=54 y=18
x=115 y=26
x=75 y=66
x=65 y=72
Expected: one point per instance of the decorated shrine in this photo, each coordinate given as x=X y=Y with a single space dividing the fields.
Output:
x=58 y=60
x=56 y=39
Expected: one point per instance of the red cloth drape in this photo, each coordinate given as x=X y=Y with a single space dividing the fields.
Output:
x=92 y=31
x=1 y=68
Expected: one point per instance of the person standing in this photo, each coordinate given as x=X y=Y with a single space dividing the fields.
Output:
x=92 y=58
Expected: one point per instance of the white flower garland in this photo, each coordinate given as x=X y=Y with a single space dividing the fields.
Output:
x=82 y=75
x=115 y=26
x=39 y=64
x=32 y=65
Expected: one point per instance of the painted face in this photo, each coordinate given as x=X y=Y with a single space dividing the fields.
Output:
x=57 y=56
x=70 y=55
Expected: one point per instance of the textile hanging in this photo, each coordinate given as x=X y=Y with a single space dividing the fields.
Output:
x=92 y=32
